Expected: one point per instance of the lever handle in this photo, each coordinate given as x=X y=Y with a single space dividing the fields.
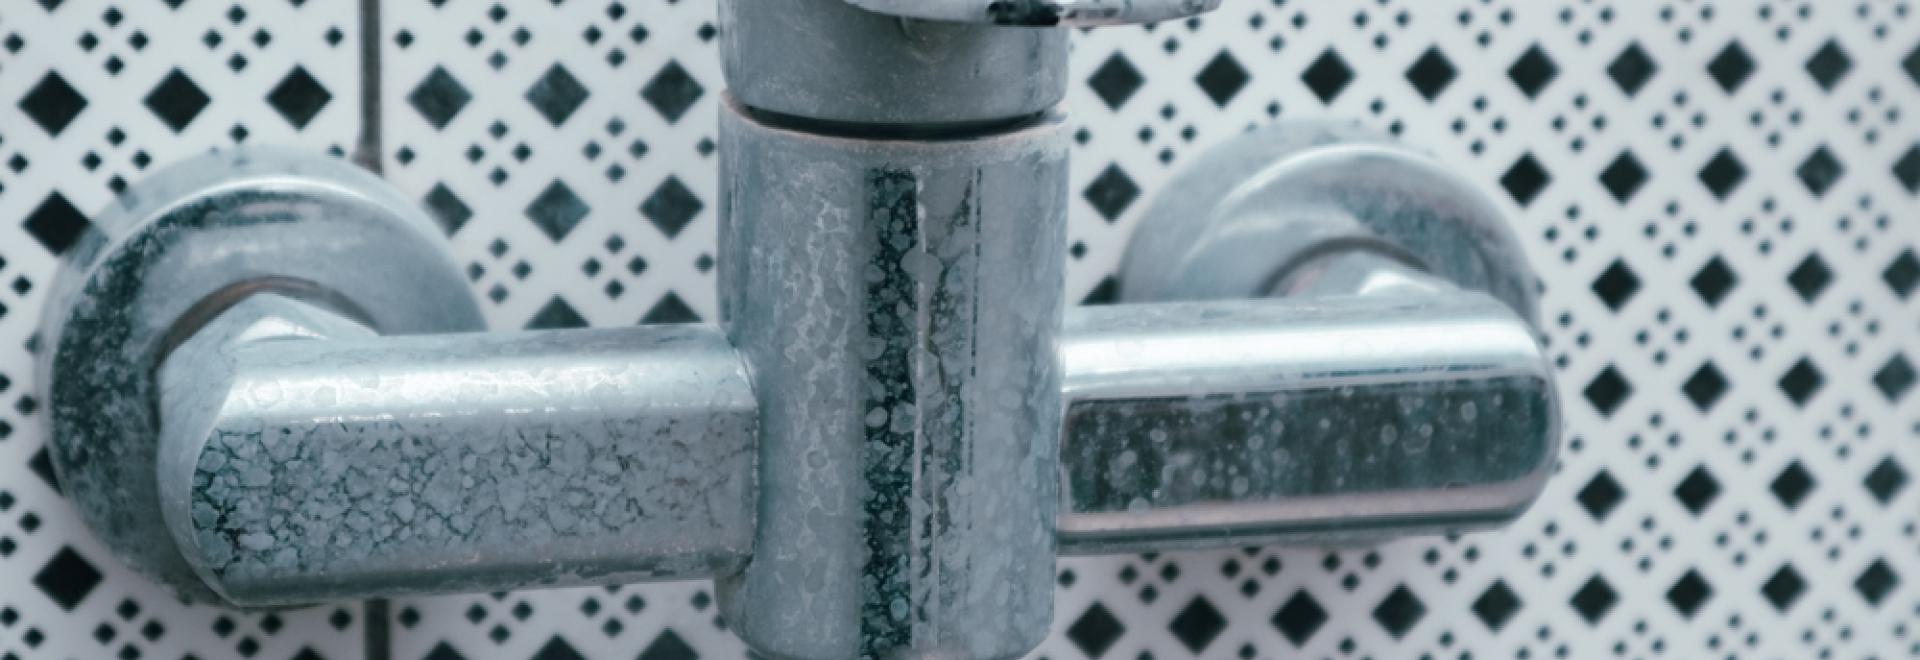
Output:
x=1328 y=337
x=304 y=459
x=1303 y=420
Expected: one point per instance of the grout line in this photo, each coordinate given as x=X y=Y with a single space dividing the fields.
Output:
x=368 y=151
x=379 y=634
x=377 y=617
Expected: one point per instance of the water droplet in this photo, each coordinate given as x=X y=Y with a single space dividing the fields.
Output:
x=1468 y=411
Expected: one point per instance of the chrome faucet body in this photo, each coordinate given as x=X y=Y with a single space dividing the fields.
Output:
x=268 y=387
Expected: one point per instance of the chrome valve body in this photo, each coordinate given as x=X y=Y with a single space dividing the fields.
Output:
x=268 y=387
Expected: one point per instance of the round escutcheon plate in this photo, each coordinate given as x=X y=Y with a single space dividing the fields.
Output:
x=177 y=249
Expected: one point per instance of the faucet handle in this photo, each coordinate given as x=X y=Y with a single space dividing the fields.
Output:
x=1069 y=13
x=1325 y=337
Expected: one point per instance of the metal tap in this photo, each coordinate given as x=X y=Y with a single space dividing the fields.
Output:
x=268 y=386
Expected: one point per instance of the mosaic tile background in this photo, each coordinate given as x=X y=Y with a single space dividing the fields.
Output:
x=1722 y=199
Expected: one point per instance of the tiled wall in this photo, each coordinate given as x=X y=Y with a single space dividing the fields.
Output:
x=1720 y=198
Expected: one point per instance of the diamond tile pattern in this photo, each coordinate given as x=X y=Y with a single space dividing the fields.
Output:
x=97 y=93
x=1720 y=209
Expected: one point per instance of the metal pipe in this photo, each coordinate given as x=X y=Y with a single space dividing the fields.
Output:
x=303 y=459
x=1308 y=419
x=899 y=302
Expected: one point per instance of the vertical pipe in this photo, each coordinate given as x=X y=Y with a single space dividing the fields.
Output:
x=898 y=302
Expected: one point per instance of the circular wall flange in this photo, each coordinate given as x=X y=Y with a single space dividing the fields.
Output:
x=1247 y=213
x=177 y=249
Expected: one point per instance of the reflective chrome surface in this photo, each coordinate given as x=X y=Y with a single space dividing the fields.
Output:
x=899 y=303
x=1251 y=211
x=172 y=252
x=862 y=73
x=304 y=459
x=1041 y=12
x=1302 y=420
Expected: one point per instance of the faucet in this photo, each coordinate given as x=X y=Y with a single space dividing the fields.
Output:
x=269 y=385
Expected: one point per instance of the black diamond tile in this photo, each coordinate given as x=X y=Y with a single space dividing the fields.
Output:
x=1111 y=192
x=1705 y=386
x=1912 y=64
x=555 y=315
x=672 y=91
x=1811 y=277
x=1399 y=611
x=1496 y=605
x=1784 y=588
x=1095 y=631
x=1801 y=382
x=1632 y=69
x=1607 y=391
x=1907 y=169
x=1698 y=490
x=1594 y=599
x=56 y=223
x=557 y=210
x=1624 y=177
x=448 y=210
x=299 y=97
x=1431 y=74
x=1525 y=179
x=1327 y=76
x=1533 y=71
x=557 y=649
x=1829 y=64
x=1714 y=281
x=1689 y=593
x=176 y=100
x=1876 y=582
x=1197 y=625
x=1792 y=485
x=671 y=206
x=1903 y=275
x=1107 y=292
x=556 y=94
x=67 y=578
x=1723 y=173
x=52 y=103
x=1616 y=285
x=1299 y=618
x=1731 y=67
x=439 y=97
x=1819 y=171
x=1601 y=495
x=1222 y=78
x=1894 y=378
x=1116 y=81
x=669 y=646
x=1886 y=480
x=42 y=467
x=671 y=309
